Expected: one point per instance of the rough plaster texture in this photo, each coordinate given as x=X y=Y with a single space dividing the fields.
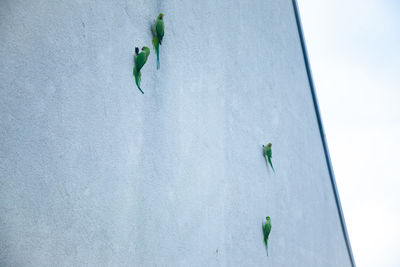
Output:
x=93 y=173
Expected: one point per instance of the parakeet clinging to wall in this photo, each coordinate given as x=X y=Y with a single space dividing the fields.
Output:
x=140 y=60
x=158 y=33
x=268 y=154
x=267 y=229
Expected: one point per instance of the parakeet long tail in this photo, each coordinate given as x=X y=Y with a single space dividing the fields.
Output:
x=137 y=78
x=156 y=45
x=266 y=245
x=158 y=57
x=270 y=163
x=268 y=160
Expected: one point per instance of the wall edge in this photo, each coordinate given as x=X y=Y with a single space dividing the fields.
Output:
x=321 y=130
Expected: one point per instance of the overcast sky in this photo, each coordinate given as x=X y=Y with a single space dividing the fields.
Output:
x=354 y=50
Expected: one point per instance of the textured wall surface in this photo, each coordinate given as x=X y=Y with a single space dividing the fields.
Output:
x=93 y=173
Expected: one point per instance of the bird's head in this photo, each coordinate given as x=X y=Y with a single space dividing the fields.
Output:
x=269 y=145
x=146 y=49
x=268 y=218
x=161 y=16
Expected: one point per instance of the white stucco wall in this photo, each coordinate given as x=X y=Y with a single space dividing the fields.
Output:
x=93 y=173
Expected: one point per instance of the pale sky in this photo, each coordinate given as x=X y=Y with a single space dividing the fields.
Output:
x=354 y=50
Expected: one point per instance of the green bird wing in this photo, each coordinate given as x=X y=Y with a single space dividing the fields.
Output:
x=159 y=29
x=267 y=229
x=140 y=60
x=268 y=151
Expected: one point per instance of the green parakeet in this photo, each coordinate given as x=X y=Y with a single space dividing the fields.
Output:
x=158 y=33
x=268 y=154
x=267 y=229
x=140 y=60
